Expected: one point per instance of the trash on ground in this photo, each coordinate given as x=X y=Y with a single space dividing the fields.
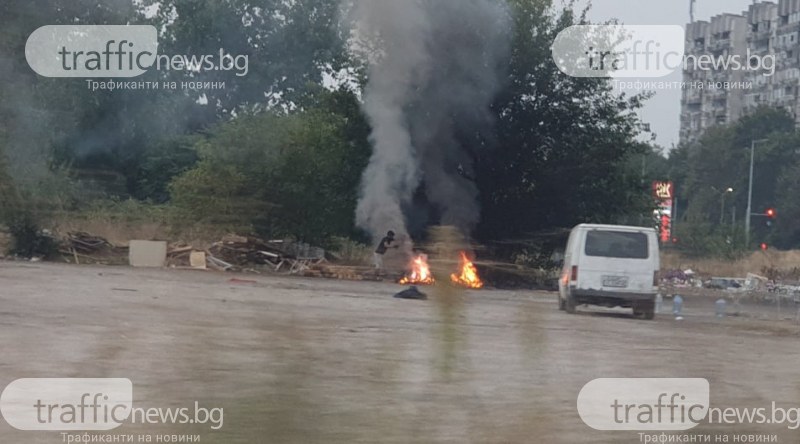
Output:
x=411 y=293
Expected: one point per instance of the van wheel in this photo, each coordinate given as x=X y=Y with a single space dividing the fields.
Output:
x=650 y=311
x=646 y=310
x=569 y=304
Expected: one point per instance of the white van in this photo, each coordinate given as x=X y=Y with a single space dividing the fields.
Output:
x=610 y=266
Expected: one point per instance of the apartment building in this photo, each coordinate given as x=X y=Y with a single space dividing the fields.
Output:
x=765 y=29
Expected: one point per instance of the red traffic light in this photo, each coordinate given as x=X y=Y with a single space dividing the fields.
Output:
x=764 y=247
x=771 y=213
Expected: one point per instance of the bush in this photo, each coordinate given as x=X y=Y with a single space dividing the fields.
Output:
x=28 y=240
x=703 y=239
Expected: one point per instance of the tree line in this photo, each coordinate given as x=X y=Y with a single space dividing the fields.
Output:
x=712 y=177
x=280 y=151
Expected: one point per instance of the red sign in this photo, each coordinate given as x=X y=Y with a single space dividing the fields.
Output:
x=663 y=193
x=663 y=190
x=665 y=230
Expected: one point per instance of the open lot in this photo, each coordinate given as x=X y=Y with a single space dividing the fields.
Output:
x=305 y=360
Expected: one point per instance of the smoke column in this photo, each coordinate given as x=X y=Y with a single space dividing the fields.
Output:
x=434 y=68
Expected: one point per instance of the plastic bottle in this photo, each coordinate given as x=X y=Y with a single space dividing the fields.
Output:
x=721 y=307
x=677 y=306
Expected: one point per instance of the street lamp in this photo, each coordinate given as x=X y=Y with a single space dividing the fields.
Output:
x=722 y=205
x=723 y=194
x=750 y=192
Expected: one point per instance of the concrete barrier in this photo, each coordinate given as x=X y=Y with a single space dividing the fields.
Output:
x=143 y=253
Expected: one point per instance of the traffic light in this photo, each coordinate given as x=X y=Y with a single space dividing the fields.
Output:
x=771 y=215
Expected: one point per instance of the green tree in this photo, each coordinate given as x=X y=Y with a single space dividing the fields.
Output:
x=787 y=230
x=720 y=160
x=289 y=46
x=564 y=145
x=281 y=175
x=161 y=162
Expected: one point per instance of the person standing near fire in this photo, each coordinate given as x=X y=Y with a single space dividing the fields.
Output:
x=386 y=243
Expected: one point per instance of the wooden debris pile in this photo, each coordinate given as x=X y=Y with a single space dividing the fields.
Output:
x=85 y=243
x=241 y=251
x=83 y=248
x=179 y=255
x=230 y=253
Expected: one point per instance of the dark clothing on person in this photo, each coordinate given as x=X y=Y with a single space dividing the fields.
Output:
x=385 y=244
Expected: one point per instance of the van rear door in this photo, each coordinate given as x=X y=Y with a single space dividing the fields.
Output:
x=616 y=261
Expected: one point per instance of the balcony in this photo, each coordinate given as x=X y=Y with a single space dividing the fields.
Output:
x=760 y=37
x=720 y=44
x=693 y=99
x=787 y=28
x=786 y=62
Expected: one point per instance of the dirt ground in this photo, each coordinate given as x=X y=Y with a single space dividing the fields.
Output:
x=294 y=360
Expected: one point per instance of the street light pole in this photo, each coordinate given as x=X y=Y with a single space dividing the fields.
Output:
x=750 y=192
x=722 y=205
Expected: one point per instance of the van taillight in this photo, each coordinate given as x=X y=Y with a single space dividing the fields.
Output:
x=655 y=278
x=574 y=273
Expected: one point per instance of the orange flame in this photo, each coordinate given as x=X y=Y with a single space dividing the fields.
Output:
x=420 y=272
x=468 y=276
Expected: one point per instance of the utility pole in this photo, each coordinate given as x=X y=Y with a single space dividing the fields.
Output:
x=750 y=192
x=691 y=10
x=722 y=205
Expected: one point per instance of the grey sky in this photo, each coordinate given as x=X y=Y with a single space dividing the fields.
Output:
x=663 y=110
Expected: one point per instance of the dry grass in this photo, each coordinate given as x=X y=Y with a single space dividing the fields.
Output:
x=755 y=263
x=350 y=252
x=120 y=221
x=117 y=234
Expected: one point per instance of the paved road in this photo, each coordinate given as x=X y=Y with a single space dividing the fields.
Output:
x=294 y=360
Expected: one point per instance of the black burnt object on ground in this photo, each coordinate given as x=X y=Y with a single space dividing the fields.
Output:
x=411 y=293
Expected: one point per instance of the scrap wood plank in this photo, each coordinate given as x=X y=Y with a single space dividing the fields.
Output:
x=180 y=250
x=218 y=263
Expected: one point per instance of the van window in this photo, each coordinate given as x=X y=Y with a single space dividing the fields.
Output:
x=618 y=244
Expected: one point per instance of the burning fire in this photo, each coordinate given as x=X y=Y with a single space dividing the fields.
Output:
x=468 y=276
x=420 y=272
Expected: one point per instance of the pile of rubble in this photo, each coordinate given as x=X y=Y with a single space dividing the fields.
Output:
x=241 y=253
x=753 y=286
x=83 y=248
x=230 y=253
